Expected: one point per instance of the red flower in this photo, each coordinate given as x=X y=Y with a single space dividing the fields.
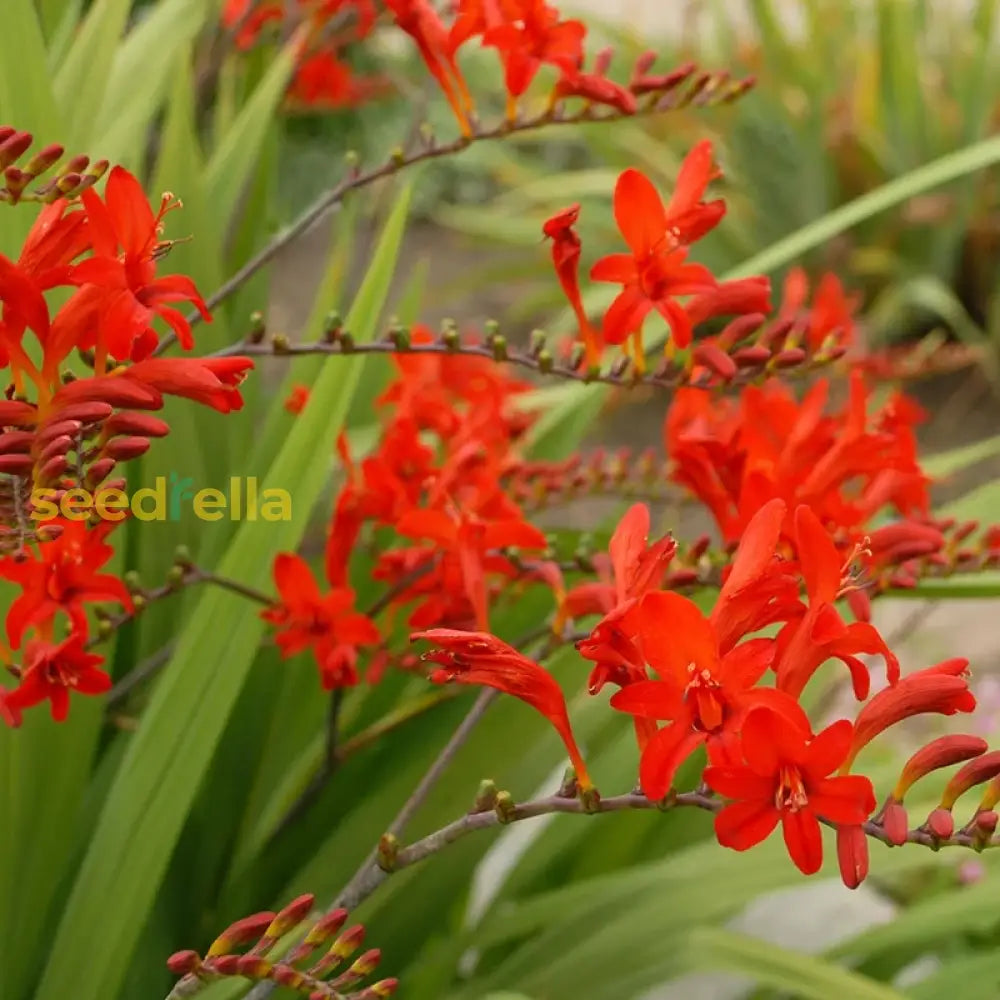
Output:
x=706 y=681
x=328 y=624
x=49 y=673
x=942 y=689
x=785 y=778
x=470 y=538
x=530 y=36
x=421 y=22
x=655 y=272
x=297 y=399
x=121 y=294
x=62 y=576
x=481 y=658
x=636 y=568
x=847 y=466
x=831 y=314
x=821 y=634
x=322 y=81
x=566 y=248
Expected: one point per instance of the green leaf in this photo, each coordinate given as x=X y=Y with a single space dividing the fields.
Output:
x=947 y=168
x=230 y=165
x=26 y=95
x=961 y=911
x=83 y=74
x=168 y=757
x=947 y=463
x=806 y=977
x=140 y=77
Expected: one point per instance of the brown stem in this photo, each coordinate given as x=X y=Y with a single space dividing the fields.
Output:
x=400 y=161
x=622 y=374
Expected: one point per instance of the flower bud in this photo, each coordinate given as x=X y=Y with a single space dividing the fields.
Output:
x=123 y=449
x=941 y=823
x=242 y=932
x=852 y=855
x=183 y=962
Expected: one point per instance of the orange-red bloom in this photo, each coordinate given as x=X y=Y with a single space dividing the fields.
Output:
x=121 y=294
x=481 y=658
x=821 y=634
x=62 y=575
x=706 y=681
x=49 y=672
x=655 y=271
x=785 y=778
x=328 y=624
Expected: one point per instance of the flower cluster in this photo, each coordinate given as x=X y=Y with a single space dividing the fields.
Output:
x=656 y=273
x=529 y=35
x=323 y=79
x=99 y=257
x=436 y=480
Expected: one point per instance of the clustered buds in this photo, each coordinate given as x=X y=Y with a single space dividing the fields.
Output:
x=313 y=968
x=70 y=180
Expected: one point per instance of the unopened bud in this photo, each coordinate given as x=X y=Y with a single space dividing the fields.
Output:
x=182 y=963
x=505 y=807
x=240 y=933
x=388 y=852
x=486 y=797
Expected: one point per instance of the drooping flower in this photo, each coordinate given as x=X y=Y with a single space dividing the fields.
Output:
x=326 y=623
x=566 y=248
x=786 y=778
x=419 y=20
x=481 y=658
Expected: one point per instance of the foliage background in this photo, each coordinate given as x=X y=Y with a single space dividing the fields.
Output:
x=143 y=828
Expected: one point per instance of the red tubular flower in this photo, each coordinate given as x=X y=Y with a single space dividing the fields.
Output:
x=481 y=658
x=213 y=382
x=846 y=466
x=852 y=854
x=566 y=260
x=114 y=310
x=821 y=634
x=50 y=671
x=597 y=89
x=328 y=624
x=975 y=772
x=419 y=20
x=942 y=752
x=941 y=689
x=62 y=576
x=786 y=779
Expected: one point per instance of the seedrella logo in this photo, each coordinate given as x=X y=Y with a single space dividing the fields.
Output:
x=166 y=500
